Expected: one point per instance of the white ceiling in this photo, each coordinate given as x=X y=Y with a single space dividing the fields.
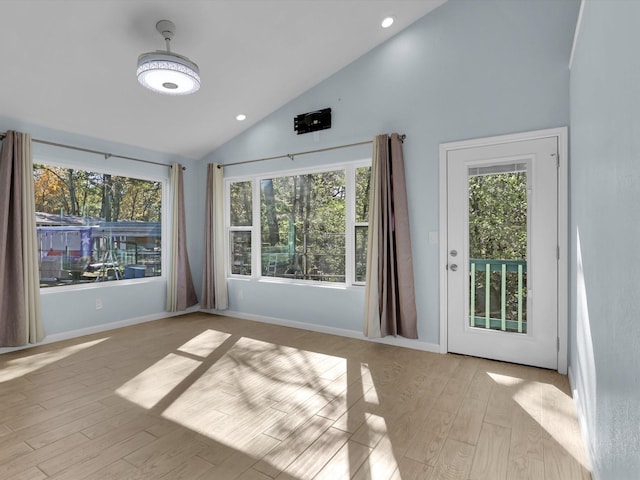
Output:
x=70 y=65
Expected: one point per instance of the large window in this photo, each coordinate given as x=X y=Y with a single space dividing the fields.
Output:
x=96 y=227
x=311 y=225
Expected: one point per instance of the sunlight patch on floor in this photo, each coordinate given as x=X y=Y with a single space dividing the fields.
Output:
x=380 y=464
x=152 y=385
x=13 y=369
x=365 y=374
x=551 y=408
x=371 y=397
x=560 y=422
x=505 y=380
x=255 y=386
x=204 y=344
x=528 y=398
x=371 y=431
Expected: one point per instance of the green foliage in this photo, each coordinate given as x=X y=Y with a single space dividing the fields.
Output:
x=363 y=187
x=498 y=216
x=241 y=204
x=304 y=216
x=79 y=192
x=302 y=225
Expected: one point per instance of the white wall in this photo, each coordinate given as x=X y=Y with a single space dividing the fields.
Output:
x=469 y=69
x=66 y=310
x=605 y=225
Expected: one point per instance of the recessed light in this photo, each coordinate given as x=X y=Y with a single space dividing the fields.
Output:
x=241 y=117
x=387 y=22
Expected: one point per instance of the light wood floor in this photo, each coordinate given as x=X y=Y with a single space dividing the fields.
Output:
x=207 y=397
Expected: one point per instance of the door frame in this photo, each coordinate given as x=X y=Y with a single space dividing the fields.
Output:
x=563 y=228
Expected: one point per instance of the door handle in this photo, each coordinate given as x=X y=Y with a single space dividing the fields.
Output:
x=453 y=267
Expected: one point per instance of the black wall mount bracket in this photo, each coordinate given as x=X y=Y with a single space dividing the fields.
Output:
x=312 y=121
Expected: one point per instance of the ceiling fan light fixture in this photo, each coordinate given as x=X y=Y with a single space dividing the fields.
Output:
x=166 y=72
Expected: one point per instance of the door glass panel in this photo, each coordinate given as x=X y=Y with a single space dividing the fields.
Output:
x=498 y=247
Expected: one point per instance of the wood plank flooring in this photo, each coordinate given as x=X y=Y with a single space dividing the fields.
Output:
x=211 y=397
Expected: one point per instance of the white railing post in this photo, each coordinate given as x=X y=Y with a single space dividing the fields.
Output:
x=473 y=294
x=520 y=298
x=504 y=297
x=487 y=295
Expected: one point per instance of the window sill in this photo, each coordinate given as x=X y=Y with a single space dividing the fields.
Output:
x=100 y=285
x=297 y=283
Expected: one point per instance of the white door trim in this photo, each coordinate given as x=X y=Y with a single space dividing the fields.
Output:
x=563 y=228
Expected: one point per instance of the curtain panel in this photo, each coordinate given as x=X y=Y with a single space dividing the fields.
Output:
x=20 y=313
x=390 y=306
x=181 y=294
x=214 y=281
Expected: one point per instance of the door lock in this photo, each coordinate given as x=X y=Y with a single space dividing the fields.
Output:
x=453 y=253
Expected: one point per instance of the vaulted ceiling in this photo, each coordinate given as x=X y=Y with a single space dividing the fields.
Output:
x=70 y=65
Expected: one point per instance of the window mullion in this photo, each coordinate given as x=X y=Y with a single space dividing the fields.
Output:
x=350 y=217
x=256 y=234
x=227 y=227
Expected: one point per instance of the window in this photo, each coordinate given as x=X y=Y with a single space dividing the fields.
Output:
x=302 y=226
x=241 y=221
x=363 y=178
x=311 y=225
x=95 y=227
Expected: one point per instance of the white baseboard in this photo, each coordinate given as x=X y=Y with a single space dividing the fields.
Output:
x=80 y=332
x=584 y=430
x=396 y=341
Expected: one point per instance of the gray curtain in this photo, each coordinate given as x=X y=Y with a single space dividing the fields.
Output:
x=181 y=293
x=214 y=280
x=390 y=307
x=20 y=314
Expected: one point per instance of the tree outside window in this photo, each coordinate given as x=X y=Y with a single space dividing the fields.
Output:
x=241 y=219
x=363 y=184
x=305 y=225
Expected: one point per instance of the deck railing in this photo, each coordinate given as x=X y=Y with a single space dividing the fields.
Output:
x=495 y=315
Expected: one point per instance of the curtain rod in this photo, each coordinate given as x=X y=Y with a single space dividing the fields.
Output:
x=292 y=155
x=97 y=152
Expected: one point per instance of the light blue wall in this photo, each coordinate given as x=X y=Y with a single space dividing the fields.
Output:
x=69 y=309
x=469 y=69
x=605 y=224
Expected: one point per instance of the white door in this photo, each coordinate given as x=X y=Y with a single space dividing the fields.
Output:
x=502 y=251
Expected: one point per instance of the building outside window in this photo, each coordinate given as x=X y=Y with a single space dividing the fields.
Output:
x=96 y=227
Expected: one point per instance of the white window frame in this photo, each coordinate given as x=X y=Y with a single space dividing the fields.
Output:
x=349 y=169
x=356 y=224
x=164 y=223
x=238 y=228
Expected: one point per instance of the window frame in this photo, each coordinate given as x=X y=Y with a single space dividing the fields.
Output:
x=357 y=224
x=349 y=168
x=229 y=229
x=165 y=241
